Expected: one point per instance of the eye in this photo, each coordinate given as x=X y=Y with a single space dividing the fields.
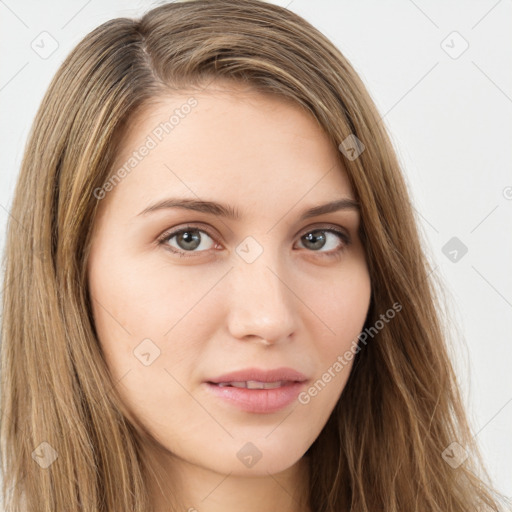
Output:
x=333 y=240
x=187 y=239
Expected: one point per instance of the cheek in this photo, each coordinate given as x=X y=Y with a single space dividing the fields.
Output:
x=134 y=300
x=342 y=307
x=145 y=336
x=149 y=329
x=346 y=312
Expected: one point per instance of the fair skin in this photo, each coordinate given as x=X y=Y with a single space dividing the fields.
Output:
x=213 y=312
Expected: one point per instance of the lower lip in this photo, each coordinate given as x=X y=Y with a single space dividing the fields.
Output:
x=262 y=401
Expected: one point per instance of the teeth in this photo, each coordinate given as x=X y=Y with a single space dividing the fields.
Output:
x=238 y=384
x=252 y=384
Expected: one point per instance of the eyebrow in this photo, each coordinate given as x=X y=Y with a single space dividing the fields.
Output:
x=227 y=211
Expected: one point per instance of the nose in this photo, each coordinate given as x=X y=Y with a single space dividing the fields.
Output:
x=262 y=305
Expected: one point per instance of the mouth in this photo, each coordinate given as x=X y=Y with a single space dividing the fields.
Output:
x=257 y=391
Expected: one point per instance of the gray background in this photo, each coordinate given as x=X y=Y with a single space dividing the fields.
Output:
x=449 y=113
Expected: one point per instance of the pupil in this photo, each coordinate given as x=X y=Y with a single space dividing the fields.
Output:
x=318 y=241
x=189 y=239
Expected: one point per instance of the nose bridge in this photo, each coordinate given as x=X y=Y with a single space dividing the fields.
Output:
x=261 y=302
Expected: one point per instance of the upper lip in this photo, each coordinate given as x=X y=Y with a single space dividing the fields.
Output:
x=259 y=375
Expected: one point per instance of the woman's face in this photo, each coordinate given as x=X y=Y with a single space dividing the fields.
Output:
x=183 y=295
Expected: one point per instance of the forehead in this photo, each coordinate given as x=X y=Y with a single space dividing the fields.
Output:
x=236 y=145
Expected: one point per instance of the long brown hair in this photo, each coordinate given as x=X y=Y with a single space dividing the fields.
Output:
x=67 y=444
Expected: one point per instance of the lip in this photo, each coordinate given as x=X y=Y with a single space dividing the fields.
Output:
x=260 y=401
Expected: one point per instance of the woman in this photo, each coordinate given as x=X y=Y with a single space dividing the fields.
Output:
x=225 y=305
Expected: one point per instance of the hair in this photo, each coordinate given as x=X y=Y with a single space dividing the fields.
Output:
x=382 y=446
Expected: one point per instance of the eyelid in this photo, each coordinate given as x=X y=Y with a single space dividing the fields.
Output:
x=328 y=227
x=176 y=231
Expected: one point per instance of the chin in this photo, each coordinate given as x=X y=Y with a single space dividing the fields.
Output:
x=260 y=456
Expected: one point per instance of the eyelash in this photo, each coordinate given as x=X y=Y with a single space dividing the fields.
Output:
x=336 y=253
